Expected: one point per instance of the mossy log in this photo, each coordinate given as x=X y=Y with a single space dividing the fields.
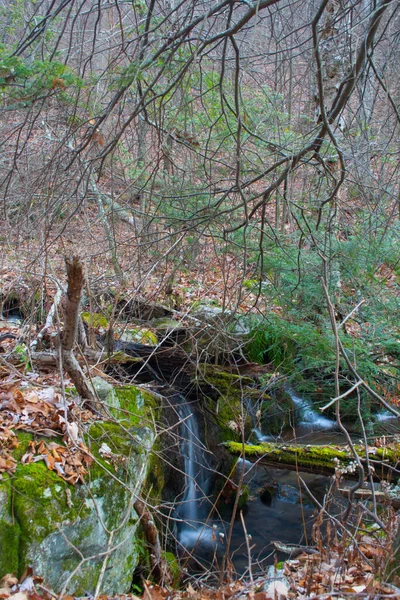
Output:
x=321 y=459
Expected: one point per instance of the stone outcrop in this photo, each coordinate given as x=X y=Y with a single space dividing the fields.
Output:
x=86 y=536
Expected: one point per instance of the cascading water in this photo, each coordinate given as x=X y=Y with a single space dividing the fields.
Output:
x=262 y=437
x=193 y=507
x=308 y=416
x=253 y=410
x=384 y=415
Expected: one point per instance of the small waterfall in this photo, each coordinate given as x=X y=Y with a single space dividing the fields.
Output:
x=254 y=412
x=193 y=507
x=384 y=415
x=262 y=437
x=308 y=416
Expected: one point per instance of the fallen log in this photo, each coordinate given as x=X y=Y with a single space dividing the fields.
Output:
x=381 y=497
x=165 y=364
x=325 y=460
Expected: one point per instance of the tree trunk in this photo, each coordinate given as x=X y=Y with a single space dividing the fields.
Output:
x=74 y=294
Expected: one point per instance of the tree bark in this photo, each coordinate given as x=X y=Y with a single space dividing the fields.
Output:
x=159 y=566
x=72 y=310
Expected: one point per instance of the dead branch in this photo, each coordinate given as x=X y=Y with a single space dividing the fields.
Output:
x=159 y=566
x=69 y=362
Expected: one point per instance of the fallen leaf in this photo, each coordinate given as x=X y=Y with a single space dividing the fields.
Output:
x=19 y=596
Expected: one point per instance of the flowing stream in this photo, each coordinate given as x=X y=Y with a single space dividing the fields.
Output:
x=276 y=510
x=284 y=516
x=194 y=505
x=308 y=416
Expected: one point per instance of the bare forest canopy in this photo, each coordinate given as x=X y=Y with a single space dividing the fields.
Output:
x=239 y=153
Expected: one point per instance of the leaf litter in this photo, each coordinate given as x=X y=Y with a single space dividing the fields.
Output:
x=42 y=412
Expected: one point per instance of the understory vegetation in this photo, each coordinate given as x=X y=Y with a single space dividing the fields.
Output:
x=200 y=232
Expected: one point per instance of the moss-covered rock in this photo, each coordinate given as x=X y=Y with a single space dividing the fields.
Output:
x=74 y=535
x=133 y=405
x=228 y=394
x=9 y=530
x=140 y=335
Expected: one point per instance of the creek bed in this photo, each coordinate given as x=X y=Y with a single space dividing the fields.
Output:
x=276 y=511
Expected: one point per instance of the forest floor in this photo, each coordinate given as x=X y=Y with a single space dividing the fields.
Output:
x=198 y=272
x=349 y=566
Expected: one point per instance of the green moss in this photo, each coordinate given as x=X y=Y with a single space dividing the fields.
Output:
x=313 y=457
x=250 y=284
x=138 y=406
x=230 y=389
x=154 y=483
x=95 y=320
x=9 y=530
x=119 y=440
x=128 y=403
x=140 y=335
x=40 y=501
x=174 y=567
x=228 y=384
x=23 y=441
x=43 y=518
x=36 y=486
x=123 y=358
x=243 y=496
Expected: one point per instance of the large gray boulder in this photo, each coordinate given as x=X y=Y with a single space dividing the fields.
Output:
x=84 y=537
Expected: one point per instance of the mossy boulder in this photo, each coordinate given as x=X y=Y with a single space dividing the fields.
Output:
x=140 y=335
x=79 y=537
x=129 y=403
x=227 y=395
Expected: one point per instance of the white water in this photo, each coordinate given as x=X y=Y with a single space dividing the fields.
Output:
x=193 y=507
x=262 y=437
x=384 y=415
x=308 y=416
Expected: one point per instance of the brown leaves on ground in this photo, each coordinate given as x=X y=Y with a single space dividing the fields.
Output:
x=38 y=410
x=8 y=442
x=21 y=589
x=42 y=411
x=235 y=589
x=69 y=462
x=349 y=565
x=312 y=576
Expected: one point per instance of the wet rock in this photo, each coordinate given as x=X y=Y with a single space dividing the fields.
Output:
x=267 y=493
